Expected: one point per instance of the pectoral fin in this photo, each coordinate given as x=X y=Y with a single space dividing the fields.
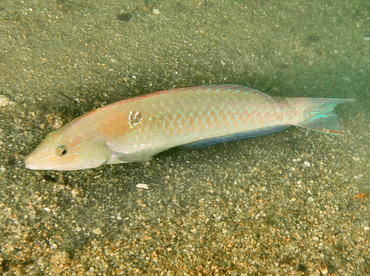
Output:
x=121 y=157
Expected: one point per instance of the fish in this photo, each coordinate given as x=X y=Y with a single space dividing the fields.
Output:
x=136 y=129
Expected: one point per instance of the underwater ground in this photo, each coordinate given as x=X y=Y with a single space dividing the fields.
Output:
x=291 y=203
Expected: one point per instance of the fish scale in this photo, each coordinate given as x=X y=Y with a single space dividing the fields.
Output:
x=218 y=118
x=134 y=130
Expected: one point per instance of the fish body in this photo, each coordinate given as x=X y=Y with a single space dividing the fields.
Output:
x=134 y=130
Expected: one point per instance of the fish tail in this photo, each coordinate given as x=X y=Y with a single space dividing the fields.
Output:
x=314 y=113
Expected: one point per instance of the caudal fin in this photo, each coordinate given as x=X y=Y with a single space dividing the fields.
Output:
x=316 y=113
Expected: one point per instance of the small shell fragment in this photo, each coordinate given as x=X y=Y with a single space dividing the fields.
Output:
x=97 y=231
x=142 y=186
x=156 y=11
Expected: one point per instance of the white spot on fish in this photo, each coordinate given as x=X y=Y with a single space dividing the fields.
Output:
x=134 y=118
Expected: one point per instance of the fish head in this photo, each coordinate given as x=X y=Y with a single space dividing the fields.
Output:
x=68 y=149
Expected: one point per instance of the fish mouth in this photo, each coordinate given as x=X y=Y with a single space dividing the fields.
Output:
x=27 y=163
x=43 y=168
x=31 y=166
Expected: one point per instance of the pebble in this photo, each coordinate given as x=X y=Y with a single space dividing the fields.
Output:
x=310 y=199
x=142 y=186
x=97 y=231
x=4 y=100
x=155 y=11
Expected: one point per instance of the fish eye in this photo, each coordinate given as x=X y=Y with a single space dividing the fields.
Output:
x=61 y=150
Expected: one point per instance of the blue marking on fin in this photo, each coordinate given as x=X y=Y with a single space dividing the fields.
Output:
x=323 y=118
x=236 y=136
